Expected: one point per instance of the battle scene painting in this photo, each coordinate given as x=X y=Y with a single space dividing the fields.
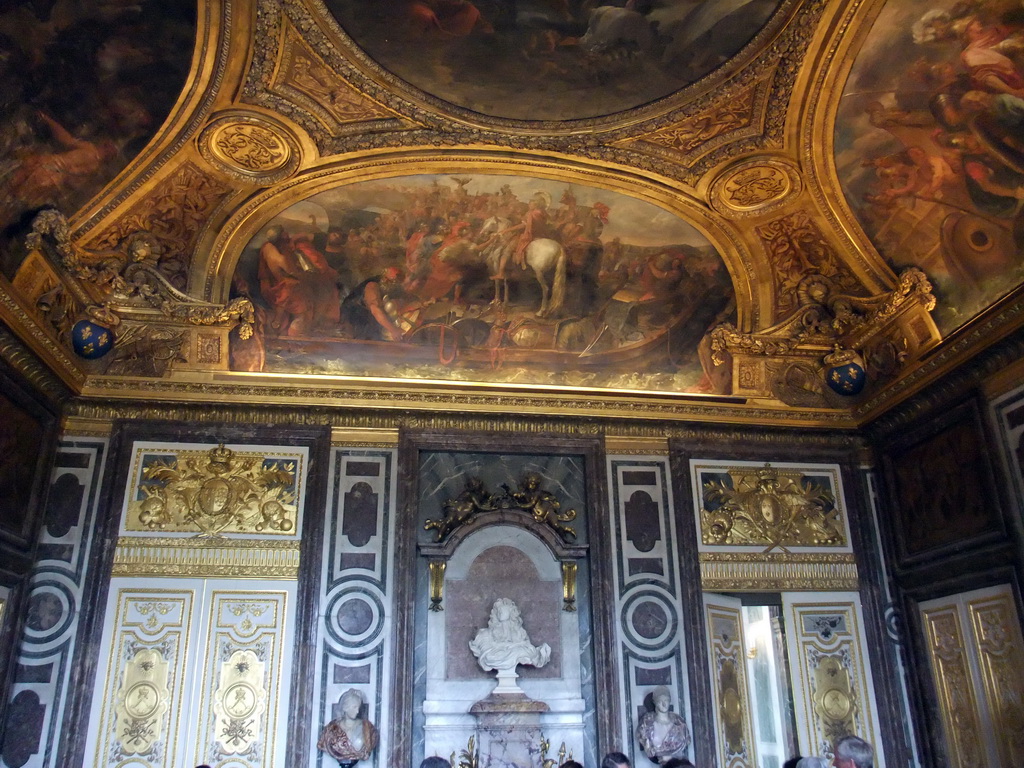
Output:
x=551 y=59
x=929 y=144
x=483 y=278
x=83 y=88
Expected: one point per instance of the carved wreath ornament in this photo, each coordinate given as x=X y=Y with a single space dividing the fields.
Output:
x=216 y=491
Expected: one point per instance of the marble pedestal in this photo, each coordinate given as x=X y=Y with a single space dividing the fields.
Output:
x=508 y=730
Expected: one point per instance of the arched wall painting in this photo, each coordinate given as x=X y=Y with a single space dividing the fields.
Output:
x=551 y=59
x=444 y=277
x=930 y=146
x=83 y=88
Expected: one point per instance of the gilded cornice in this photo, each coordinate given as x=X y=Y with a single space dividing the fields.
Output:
x=62 y=366
x=769 y=65
x=27 y=365
x=935 y=384
x=373 y=406
x=950 y=372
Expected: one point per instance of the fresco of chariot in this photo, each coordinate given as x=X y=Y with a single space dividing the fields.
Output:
x=482 y=278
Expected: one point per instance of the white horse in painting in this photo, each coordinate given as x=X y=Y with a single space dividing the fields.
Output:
x=543 y=256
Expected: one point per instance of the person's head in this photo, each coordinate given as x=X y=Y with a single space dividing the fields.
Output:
x=350 y=703
x=615 y=760
x=661 y=698
x=570 y=764
x=435 y=762
x=853 y=752
x=812 y=762
x=678 y=762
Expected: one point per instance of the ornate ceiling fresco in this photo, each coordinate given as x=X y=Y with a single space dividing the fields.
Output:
x=930 y=146
x=551 y=60
x=765 y=210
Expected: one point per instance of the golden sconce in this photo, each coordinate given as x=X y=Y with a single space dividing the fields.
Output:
x=568 y=585
x=437 y=568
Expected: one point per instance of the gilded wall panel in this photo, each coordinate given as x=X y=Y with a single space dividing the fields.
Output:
x=832 y=683
x=242 y=698
x=772 y=526
x=951 y=670
x=729 y=682
x=1001 y=659
x=147 y=636
x=976 y=656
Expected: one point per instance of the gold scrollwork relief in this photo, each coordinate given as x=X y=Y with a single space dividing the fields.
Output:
x=250 y=148
x=771 y=508
x=216 y=491
x=755 y=187
x=175 y=212
x=239 y=702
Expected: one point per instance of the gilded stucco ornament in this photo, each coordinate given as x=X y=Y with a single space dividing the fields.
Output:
x=250 y=148
x=530 y=497
x=774 y=361
x=755 y=186
x=771 y=508
x=128 y=286
x=214 y=492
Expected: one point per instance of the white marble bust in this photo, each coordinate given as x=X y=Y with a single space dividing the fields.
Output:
x=662 y=733
x=503 y=645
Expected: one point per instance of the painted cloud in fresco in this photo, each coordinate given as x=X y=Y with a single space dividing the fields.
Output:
x=483 y=278
x=930 y=146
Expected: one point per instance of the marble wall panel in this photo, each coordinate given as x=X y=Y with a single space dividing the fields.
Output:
x=568 y=686
x=650 y=633
x=354 y=634
x=1008 y=413
x=33 y=731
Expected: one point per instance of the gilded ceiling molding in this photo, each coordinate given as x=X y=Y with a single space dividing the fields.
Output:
x=788 y=361
x=738 y=113
x=388 y=89
x=16 y=355
x=128 y=294
x=214 y=41
x=175 y=211
x=250 y=148
x=851 y=22
x=755 y=187
x=371 y=401
x=40 y=343
x=302 y=76
x=785 y=39
x=796 y=248
x=931 y=387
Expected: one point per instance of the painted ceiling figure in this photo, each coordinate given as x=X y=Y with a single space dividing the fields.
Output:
x=298 y=284
x=455 y=18
x=44 y=177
